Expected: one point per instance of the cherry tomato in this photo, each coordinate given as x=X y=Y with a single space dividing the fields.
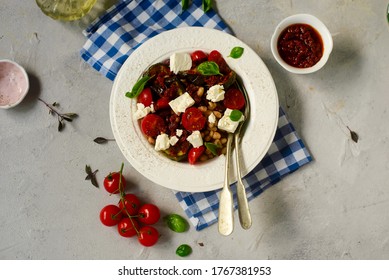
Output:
x=128 y=227
x=162 y=103
x=149 y=214
x=152 y=125
x=234 y=99
x=111 y=182
x=130 y=204
x=148 y=236
x=198 y=57
x=195 y=153
x=193 y=119
x=216 y=56
x=145 y=97
x=110 y=215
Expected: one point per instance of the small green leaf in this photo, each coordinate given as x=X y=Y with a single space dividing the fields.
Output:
x=184 y=250
x=138 y=87
x=208 y=68
x=212 y=147
x=236 y=115
x=236 y=52
x=185 y=4
x=176 y=223
x=207 y=5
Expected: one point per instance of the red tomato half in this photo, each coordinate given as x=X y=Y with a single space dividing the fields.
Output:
x=148 y=236
x=193 y=119
x=234 y=99
x=145 y=97
x=198 y=57
x=216 y=56
x=152 y=125
x=195 y=153
x=162 y=103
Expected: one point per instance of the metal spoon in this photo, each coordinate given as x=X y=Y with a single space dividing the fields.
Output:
x=243 y=206
x=226 y=210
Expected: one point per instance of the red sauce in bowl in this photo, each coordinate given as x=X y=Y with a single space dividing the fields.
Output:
x=300 y=45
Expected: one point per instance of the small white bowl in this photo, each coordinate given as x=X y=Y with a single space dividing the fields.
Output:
x=320 y=28
x=14 y=84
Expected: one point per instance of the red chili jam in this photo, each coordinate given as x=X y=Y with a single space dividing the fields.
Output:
x=300 y=45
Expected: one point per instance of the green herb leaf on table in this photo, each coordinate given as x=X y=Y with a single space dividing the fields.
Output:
x=185 y=4
x=207 y=5
x=61 y=117
x=208 y=68
x=184 y=250
x=236 y=52
x=91 y=175
x=138 y=87
x=176 y=223
x=236 y=115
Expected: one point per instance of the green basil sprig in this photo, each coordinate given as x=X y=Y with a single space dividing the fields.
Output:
x=236 y=115
x=138 y=87
x=185 y=4
x=208 y=68
x=207 y=5
x=212 y=147
x=236 y=52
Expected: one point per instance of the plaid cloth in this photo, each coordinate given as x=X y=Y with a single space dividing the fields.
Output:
x=125 y=26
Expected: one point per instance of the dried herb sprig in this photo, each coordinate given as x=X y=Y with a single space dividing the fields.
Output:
x=61 y=117
x=102 y=140
x=91 y=175
x=354 y=136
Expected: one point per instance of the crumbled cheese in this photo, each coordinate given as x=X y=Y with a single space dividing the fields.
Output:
x=182 y=102
x=173 y=140
x=179 y=132
x=162 y=142
x=215 y=93
x=226 y=124
x=180 y=62
x=142 y=111
x=212 y=118
x=195 y=139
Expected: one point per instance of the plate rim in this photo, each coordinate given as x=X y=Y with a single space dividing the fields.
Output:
x=166 y=182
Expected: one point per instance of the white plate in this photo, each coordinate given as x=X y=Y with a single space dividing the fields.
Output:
x=203 y=176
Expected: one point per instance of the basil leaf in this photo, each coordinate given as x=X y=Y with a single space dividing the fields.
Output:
x=208 y=68
x=176 y=223
x=236 y=115
x=185 y=4
x=138 y=87
x=184 y=250
x=212 y=147
x=236 y=52
x=207 y=5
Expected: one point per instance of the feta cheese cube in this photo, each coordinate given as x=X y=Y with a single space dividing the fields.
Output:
x=182 y=102
x=142 y=111
x=173 y=140
x=226 y=124
x=195 y=139
x=212 y=118
x=180 y=62
x=179 y=132
x=215 y=93
x=162 y=142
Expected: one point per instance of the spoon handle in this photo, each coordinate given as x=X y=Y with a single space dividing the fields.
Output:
x=226 y=212
x=243 y=205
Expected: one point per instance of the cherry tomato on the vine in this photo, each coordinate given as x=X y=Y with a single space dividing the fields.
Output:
x=149 y=214
x=110 y=215
x=111 y=182
x=148 y=236
x=195 y=153
x=129 y=204
x=128 y=227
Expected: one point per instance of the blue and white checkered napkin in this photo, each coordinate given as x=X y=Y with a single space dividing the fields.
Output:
x=125 y=26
